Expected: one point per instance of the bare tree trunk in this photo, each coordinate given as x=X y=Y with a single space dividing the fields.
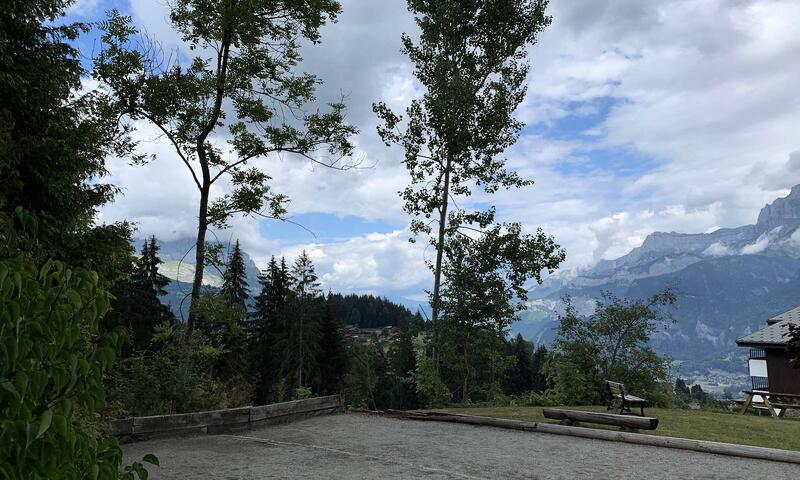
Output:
x=437 y=272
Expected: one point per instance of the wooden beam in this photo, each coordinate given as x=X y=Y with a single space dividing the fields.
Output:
x=625 y=421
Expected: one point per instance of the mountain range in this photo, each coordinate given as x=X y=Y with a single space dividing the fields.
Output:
x=728 y=283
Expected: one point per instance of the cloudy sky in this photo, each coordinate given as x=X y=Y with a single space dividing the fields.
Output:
x=664 y=115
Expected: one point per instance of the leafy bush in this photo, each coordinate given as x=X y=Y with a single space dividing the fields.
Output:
x=611 y=344
x=52 y=361
x=175 y=376
x=432 y=390
x=301 y=393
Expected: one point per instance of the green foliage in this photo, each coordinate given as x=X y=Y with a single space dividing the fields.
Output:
x=611 y=344
x=234 y=281
x=244 y=92
x=53 y=138
x=301 y=393
x=302 y=335
x=470 y=58
x=534 y=399
x=527 y=373
x=175 y=375
x=267 y=328
x=52 y=362
x=136 y=306
x=223 y=326
x=362 y=377
x=794 y=345
x=331 y=355
x=483 y=291
x=404 y=367
x=432 y=390
x=369 y=311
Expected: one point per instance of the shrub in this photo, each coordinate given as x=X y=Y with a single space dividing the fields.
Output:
x=52 y=361
x=175 y=375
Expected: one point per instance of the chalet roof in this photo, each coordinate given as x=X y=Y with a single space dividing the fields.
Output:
x=793 y=314
x=774 y=334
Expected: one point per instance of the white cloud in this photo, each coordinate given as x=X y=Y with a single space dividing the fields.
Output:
x=718 y=250
x=83 y=8
x=376 y=262
x=683 y=109
x=756 y=247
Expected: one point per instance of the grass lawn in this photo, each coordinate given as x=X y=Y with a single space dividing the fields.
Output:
x=762 y=431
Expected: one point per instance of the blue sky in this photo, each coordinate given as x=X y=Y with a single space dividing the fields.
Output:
x=669 y=115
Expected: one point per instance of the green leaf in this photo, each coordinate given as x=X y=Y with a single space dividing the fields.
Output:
x=150 y=458
x=44 y=423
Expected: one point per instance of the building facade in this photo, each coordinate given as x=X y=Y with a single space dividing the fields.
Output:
x=769 y=360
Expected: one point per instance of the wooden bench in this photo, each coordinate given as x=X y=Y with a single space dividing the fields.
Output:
x=616 y=392
x=625 y=422
x=775 y=403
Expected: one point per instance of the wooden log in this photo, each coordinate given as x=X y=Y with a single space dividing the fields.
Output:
x=331 y=402
x=164 y=423
x=625 y=421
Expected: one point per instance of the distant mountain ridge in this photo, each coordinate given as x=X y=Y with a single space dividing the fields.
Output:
x=728 y=282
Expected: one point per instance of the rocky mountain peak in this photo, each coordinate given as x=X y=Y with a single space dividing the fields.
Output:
x=783 y=211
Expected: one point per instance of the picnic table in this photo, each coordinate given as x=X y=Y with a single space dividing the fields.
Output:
x=775 y=403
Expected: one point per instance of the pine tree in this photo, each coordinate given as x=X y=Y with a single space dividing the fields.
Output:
x=137 y=306
x=267 y=330
x=234 y=281
x=520 y=377
x=331 y=356
x=405 y=366
x=539 y=383
x=304 y=327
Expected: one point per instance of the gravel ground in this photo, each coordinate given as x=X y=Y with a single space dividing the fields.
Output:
x=364 y=447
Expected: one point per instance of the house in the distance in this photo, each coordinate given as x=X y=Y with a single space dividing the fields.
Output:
x=769 y=360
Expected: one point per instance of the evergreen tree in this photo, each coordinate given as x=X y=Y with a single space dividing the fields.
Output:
x=331 y=355
x=151 y=262
x=234 y=281
x=520 y=378
x=682 y=390
x=137 y=306
x=539 y=383
x=303 y=328
x=267 y=330
x=405 y=367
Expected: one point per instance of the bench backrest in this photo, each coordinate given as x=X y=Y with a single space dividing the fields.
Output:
x=615 y=388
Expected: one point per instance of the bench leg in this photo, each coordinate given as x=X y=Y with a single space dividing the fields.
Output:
x=769 y=407
x=747 y=403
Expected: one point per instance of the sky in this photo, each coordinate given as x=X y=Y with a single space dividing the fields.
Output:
x=664 y=115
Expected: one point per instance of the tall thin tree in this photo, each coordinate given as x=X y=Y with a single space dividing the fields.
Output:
x=331 y=356
x=237 y=99
x=470 y=58
x=305 y=296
